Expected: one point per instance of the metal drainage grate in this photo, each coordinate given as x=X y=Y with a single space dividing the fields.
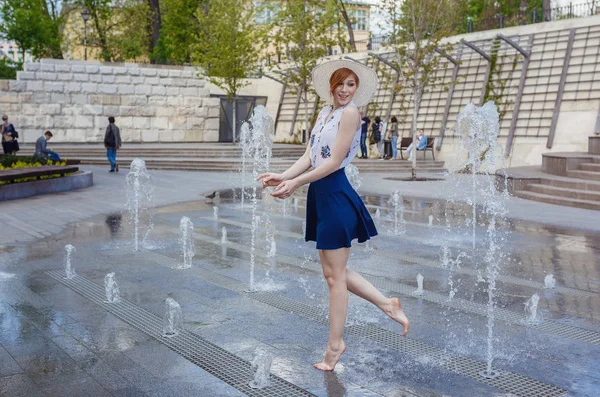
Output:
x=218 y=362
x=548 y=326
x=509 y=382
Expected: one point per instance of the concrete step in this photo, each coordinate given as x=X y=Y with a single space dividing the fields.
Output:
x=572 y=184
x=564 y=192
x=569 y=202
x=589 y=175
x=590 y=167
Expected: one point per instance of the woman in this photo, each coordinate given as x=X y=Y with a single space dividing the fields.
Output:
x=335 y=214
x=376 y=129
x=394 y=131
x=10 y=144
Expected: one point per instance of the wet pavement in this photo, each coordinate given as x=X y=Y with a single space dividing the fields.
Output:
x=55 y=341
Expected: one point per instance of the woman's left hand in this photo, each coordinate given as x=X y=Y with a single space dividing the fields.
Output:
x=285 y=189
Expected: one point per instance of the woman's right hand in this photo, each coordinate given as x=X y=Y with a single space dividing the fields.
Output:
x=270 y=179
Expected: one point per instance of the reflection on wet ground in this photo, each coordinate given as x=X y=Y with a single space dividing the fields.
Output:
x=56 y=342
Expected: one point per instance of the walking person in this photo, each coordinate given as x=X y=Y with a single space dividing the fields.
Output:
x=335 y=214
x=394 y=131
x=112 y=142
x=10 y=145
x=364 y=129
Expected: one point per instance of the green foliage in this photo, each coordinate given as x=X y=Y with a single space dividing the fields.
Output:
x=9 y=69
x=228 y=45
x=179 y=32
x=119 y=28
x=303 y=35
x=34 y=25
x=496 y=86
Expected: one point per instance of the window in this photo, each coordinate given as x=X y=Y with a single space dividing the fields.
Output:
x=360 y=19
x=266 y=12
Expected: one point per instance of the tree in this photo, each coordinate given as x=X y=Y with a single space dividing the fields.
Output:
x=179 y=31
x=32 y=25
x=421 y=25
x=118 y=27
x=228 y=46
x=304 y=35
x=344 y=13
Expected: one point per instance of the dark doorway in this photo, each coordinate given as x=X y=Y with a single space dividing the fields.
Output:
x=244 y=107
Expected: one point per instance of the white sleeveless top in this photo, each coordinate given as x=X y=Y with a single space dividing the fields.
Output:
x=324 y=133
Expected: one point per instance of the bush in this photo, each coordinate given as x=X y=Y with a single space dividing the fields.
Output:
x=9 y=162
x=9 y=68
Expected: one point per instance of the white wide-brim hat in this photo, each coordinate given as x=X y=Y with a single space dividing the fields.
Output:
x=367 y=80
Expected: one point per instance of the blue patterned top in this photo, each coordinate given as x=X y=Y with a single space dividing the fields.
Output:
x=323 y=136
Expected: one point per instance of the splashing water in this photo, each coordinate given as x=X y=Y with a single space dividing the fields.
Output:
x=173 y=320
x=353 y=176
x=215 y=212
x=296 y=204
x=224 y=235
x=419 y=291
x=256 y=138
x=430 y=221
x=111 y=288
x=479 y=129
x=68 y=262
x=261 y=365
x=549 y=282
x=532 y=316
x=398 y=208
x=377 y=214
x=272 y=249
x=139 y=198
x=186 y=240
x=304 y=228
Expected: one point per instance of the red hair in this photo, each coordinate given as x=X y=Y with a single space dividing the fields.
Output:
x=339 y=76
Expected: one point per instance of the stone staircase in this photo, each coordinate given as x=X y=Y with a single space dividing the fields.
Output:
x=213 y=157
x=570 y=179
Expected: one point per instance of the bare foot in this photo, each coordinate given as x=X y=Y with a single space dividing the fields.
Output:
x=331 y=358
x=394 y=310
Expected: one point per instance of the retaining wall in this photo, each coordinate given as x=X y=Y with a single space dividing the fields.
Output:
x=73 y=99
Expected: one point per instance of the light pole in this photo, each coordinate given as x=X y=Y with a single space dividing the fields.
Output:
x=85 y=15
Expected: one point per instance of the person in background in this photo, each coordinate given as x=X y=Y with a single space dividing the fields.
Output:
x=112 y=143
x=387 y=142
x=421 y=144
x=376 y=129
x=394 y=132
x=364 y=129
x=42 y=152
x=9 y=137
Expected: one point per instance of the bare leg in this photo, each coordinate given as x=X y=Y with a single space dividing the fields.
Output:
x=334 y=270
x=390 y=306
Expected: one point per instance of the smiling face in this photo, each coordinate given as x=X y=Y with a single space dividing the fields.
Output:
x=344 y=92
x=343 y=84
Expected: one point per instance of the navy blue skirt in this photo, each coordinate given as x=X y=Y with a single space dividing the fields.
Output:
x=335 y=214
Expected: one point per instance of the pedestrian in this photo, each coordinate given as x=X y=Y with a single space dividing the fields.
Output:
x=377 y=138
x=394 y=132
x=387 y=142
x=42 y=153
x=112 y=142
x=364 y=129
x=335 y=213
x=10 y=145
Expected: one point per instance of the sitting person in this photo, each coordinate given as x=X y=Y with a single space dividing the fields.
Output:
x=42 y=152
x=421 y=144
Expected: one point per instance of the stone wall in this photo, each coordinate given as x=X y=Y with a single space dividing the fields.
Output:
x=74 y=98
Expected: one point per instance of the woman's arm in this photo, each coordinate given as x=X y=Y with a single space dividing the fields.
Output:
x=348 y=126
x=300 y=166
